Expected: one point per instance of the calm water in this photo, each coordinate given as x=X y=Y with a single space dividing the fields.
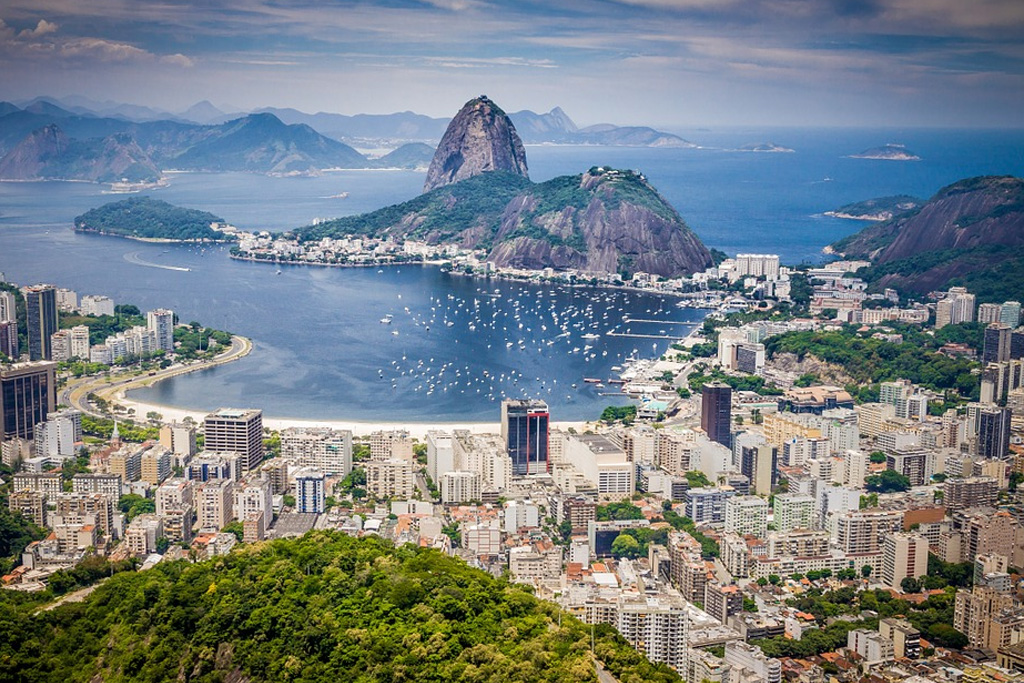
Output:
x=321 y=350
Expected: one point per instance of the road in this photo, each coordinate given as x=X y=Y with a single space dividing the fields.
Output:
x=109 y=387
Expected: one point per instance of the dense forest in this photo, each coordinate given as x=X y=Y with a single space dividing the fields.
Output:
x=147 y=218
x=326 y=607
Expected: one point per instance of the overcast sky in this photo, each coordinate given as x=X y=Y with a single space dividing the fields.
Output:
x=668 y=63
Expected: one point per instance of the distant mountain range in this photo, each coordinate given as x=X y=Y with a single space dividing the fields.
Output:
x=83 y=139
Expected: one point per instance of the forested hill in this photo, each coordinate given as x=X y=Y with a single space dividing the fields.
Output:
x=147 y=218
x=325 y=607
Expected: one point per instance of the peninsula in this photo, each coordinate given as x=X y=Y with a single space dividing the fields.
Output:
x=144 y=218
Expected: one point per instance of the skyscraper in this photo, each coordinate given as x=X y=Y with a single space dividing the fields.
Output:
x=28 y=393
x=716 y=412
x=41 y=308
x=996 y=343
x=8 y=309
x=237 y=431
x=161 y=322
x=9 y=338
x=1009 y=313
x=309 y=491
x=524 y=430
x=993 y=432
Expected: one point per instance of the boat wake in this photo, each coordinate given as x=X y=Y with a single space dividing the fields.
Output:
x=134 y=257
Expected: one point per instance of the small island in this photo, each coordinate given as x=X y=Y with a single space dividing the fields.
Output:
x=890 y=152
x=880 y=209
x=147 y=219
x=769 y=147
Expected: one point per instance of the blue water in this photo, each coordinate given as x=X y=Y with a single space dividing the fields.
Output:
x=321 y=351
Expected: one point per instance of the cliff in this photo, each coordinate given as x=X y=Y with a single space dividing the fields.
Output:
x=480 y=139
x=965 y=231
x=49 y=154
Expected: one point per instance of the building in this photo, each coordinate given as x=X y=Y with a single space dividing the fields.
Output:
x=655 y=626
x=8 y=307
x=760 y=465
x=208 y=467
x=1009 y=313
x=310 y=491
x=28 y=394
x=9 y=337
x=95 y=482
x=57 y=437
x=97 y=305
x=705 y=505
x=460 y=487
x=964 y=492
x=975 y=613
x=525 y=432
x=155 y=465
x=993 y=424
x=996 y=346
x=602 y=463
x=389 y=478
x=41 y=315
x=238 y=431
x=141 y=536
x=957 y=307
x=126 y=463
x=815 y=399
x=161 y=323
x=31 y=505
x=904 y=555
x=440 y=454
x=49 y=483
x=746 y=515
x=794 y=512
x=252 y=503
x=327 y=450
x=860 y=532
x=179 y=438
x=912 y=463
x=749 y=658
x=905 y=639
x=716 y=412
x=721 y=602
x=213 y=503
x=871 y=645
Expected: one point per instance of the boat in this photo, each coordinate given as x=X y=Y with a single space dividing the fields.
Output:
x=591 y=380
x=591 y=335
x=278 y=272
x=386 y=320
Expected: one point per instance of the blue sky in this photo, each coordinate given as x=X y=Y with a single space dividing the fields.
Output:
x=669 y=63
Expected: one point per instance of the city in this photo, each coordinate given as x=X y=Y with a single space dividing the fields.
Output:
x=716 y=526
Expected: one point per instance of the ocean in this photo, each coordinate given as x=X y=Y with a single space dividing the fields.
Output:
x=322 y=351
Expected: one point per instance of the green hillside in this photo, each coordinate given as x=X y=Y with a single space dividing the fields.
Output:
x=144 y=217
x=326 y=607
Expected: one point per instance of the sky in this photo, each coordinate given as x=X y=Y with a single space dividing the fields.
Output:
x=665 y=63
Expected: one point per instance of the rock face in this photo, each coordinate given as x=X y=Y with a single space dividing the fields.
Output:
x=970 y=225
x=481 y=138
x=619 y=224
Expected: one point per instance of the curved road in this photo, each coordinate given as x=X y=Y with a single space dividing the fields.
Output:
x=107 y=387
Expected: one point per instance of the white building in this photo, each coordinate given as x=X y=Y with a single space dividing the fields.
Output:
x=252 y=500
x=460 y=487
x=746 y=515
x=96 y=305
x=389 y=478
x=440 y=454
x=161 y=323
x=328 y=450
x=310 y=491
x=794 y=512
x=602 y=463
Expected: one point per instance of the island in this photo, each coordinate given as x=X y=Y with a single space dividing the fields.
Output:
x=769 y=147
x=890 y=152
x=148 y=219
x=878 y=209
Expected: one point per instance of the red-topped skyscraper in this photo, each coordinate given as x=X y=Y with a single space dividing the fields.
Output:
x=716 y=412
x=525 y=430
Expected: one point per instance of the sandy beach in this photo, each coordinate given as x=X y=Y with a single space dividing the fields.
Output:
x=417 y=430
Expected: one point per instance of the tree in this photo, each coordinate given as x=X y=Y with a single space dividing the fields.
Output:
x=910 y=585
x=866 y=570
x=288 y=500
x=626 y=546
x=877 y=457
x=133 y=505
x=236 y=528
x=162 y=544
x=887 y=481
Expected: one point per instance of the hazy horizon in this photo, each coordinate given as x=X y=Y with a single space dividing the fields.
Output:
x=672 y=64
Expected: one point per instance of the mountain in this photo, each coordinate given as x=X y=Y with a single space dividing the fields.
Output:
x=555 y=126
x=404 y=125
x=480 y=138
x=323 y=607
x=880 y=209
x=147 y=218
x=203 y=112
x=971 y=232
x=890 y=152
x=628 y=136
x=603 y=220
x=48 y=154
x=412 y=155
x=258 y=143
x=263 y=143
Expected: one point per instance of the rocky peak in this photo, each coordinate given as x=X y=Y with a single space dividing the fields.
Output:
x=481 y=138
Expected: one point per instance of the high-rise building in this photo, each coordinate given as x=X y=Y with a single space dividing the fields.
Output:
x=760 y=465
x=904 y=555
x=94 y=304
x=8 y=306
x=525 y=432
x=28 y=393
x=327 y=450
x=161 y=322
x=213 y=504
x=179 y=438
x=993 y=432
x=389 y=478
x=996 y=346
x=1009 y=313
x=310 y=493
x=957 y=307
x=746 y=515
x=716 y=412
x=41 y=313
x=965 y=492
x=440 y=454
x=794 y=512
x=9 y=338
x=238 y=431
x=460 y=487
x=989 y=313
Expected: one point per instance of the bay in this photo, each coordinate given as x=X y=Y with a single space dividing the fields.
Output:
x=321 y=350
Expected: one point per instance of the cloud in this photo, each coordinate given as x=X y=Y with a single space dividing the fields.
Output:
x=178 y=59
x=483 y=62
x=41 y=29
